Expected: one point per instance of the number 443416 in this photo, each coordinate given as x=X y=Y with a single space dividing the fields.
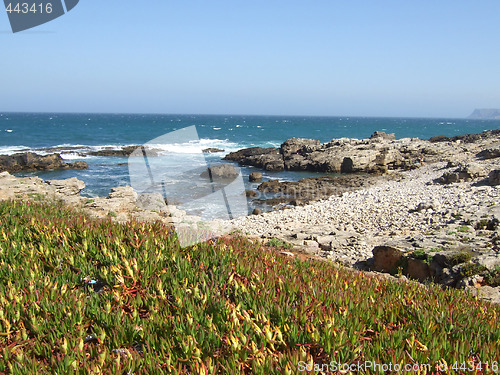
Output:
x=25 y=8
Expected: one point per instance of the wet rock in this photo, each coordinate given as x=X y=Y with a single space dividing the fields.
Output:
x=255 y=177
x=124 y=151
x=212 y=150
x=29 y=161
x=251 y=193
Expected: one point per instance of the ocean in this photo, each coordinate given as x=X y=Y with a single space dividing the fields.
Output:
x=72 y=134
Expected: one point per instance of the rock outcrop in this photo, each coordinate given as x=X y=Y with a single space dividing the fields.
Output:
x=266 y=158
x=464 y=172
x=29 y=161
x=124 y=151
x=378 y=154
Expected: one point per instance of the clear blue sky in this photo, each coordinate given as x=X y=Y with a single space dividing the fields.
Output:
x=316 y=57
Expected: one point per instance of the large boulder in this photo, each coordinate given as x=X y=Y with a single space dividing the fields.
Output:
x=386 y=258
x=255 y=177
x=29 y=161
x=221 y=171
x=464 y=172
x=494 y=177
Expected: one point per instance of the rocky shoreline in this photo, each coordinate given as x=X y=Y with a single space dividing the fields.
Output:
x=414 y=225
x=375 y=155
x=45 y=159
x=427 y=210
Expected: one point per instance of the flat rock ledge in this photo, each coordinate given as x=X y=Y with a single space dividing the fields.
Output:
x=121 y=205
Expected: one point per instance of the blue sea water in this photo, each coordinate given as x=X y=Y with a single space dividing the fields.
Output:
x=73 y=133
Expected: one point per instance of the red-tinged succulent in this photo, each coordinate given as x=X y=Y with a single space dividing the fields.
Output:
x=93 y=296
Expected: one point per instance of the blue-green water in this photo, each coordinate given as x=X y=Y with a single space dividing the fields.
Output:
x=31 y=131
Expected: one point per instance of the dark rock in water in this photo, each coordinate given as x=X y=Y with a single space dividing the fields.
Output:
x=256 y=211
x=250 y=193
x=489 y=153
x=212 y=150
x=29 y=161
x=255 y=177
x=122 y=152
x=221 y=171
x=78 y=165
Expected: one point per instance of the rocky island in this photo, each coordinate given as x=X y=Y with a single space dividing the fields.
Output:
x=485 y=114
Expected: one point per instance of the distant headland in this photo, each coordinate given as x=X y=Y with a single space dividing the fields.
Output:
x=485 y=114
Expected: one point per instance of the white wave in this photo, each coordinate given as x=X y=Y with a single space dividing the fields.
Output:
x=72 y=156
x=10 y=150
x=73 y=151
x=194 y=147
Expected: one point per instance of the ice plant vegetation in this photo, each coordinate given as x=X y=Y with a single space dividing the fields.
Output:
x=82 y=296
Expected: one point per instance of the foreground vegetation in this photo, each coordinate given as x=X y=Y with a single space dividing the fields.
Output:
x=85 y=296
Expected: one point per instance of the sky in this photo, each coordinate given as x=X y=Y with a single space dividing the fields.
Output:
x=273 y=57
